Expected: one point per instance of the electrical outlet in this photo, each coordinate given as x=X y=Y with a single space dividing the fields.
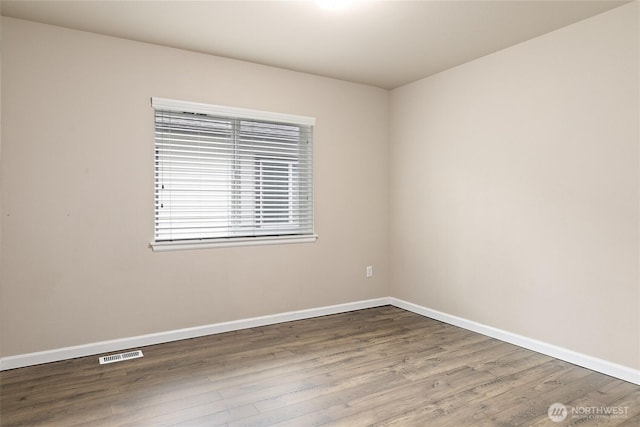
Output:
x=369 y=270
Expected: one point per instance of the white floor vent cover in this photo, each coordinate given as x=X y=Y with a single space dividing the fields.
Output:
x=120 y=357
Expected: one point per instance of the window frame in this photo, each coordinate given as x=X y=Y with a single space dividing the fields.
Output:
x=171 y=105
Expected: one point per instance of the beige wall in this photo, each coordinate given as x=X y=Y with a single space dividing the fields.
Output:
x=514 y=189
x=513 y=198
x=77 y=193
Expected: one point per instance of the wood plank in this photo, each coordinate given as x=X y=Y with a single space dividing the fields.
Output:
x=382 y=366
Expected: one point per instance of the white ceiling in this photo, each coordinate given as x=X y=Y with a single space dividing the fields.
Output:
x=380 y=43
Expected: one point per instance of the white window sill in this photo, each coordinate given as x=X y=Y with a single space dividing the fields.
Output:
x=231 y=242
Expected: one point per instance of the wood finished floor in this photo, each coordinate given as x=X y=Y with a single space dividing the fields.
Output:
x=382 y=366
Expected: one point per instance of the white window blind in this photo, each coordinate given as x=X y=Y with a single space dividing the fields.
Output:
x=226 y=174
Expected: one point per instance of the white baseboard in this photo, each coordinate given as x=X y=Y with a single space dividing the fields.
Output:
x=29 y=359
x=593 y=363
x=599 y=365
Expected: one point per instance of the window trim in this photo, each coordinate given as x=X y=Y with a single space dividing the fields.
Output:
x=194 y=107
x=230 y=242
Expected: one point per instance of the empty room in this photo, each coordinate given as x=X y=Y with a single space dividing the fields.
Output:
x=304 y=213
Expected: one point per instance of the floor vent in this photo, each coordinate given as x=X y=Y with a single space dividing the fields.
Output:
x=120 y=357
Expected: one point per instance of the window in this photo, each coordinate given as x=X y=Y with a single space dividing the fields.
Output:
x=226 y=176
